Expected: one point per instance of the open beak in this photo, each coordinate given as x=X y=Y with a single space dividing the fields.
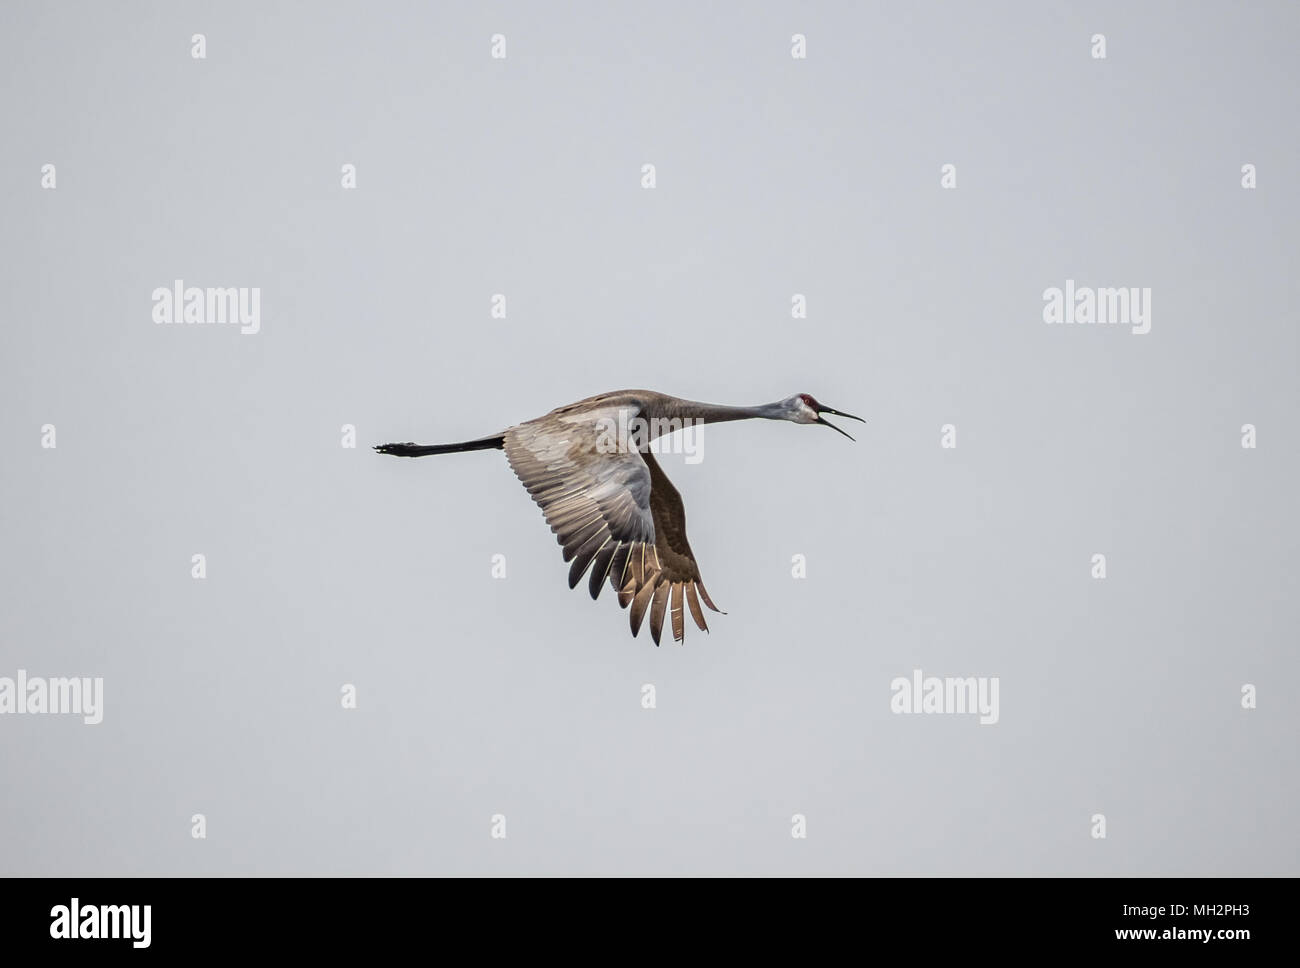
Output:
x=826 y=423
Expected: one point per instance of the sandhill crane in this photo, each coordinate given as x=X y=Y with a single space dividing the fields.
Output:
x=589 y=467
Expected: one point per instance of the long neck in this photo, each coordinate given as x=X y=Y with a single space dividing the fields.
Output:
x=672 y=407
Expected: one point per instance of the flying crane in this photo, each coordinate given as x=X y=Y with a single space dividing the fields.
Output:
x=589 y=467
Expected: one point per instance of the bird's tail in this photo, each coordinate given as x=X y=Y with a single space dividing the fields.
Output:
x=408 y=449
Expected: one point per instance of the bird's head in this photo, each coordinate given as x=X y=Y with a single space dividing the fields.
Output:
x=805 y=409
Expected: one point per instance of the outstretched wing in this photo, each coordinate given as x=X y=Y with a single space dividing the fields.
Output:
x=613 y=511
x=679 y=574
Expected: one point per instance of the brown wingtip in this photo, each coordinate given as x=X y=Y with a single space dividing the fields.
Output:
x=626 y=594
x=707 y=600
x=693 y=601
x=676 y=612
x=639 y=605
x=658 y=607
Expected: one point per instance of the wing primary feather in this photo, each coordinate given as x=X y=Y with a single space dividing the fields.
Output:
x=618 y=567
x=566 y=526
x=582 y=560
x=579 y=540
x=638 y=566
x=707 y=600
x=657 y=609
x=600 y=567
x=627 y=591
x=639 y=603
x=693 y=601
x=676 y=613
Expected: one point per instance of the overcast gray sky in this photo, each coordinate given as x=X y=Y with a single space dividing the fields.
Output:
x=774 y=176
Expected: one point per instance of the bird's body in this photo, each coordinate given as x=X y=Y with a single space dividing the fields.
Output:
x=589 y=467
